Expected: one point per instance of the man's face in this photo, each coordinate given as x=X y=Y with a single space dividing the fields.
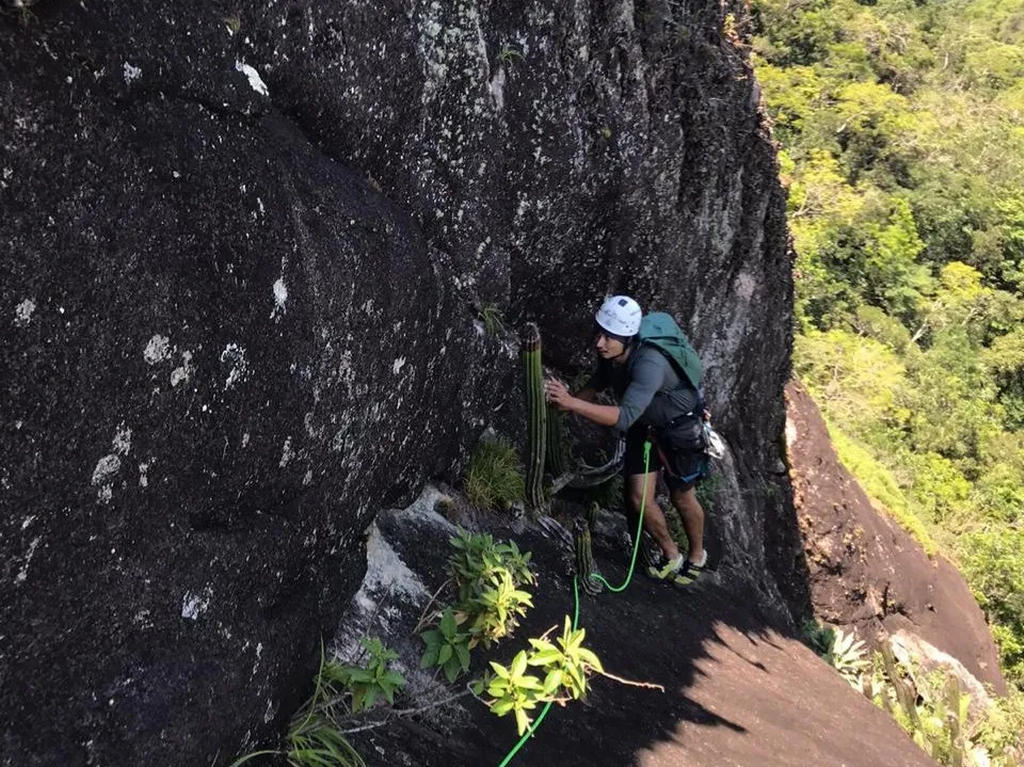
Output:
x=608 y=347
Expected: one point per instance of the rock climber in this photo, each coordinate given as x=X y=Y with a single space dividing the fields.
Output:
x=655 y=396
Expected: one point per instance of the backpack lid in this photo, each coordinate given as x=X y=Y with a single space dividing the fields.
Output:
x=661 y=331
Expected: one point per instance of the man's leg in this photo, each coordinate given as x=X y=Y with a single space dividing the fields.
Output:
x=693 y=521
x=654 y=517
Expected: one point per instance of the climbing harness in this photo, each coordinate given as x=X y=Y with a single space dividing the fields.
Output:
x=576 y=597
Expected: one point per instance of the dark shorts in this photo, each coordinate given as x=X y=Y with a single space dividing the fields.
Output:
x=683 y=468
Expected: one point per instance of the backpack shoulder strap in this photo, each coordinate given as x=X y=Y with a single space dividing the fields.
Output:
x=661 y=331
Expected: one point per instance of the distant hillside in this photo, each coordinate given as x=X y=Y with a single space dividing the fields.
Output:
x=902 y=133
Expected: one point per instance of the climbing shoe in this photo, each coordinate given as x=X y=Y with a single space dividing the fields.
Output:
x=670 y=570
x=649 y=557
x=689 y=572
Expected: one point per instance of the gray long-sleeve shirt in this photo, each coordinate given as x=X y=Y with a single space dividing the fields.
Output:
x=647 y=387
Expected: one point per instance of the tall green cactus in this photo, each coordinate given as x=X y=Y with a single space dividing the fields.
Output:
x=536 y=412
x=555 y=448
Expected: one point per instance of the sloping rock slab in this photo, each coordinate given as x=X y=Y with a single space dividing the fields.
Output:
x=737 y=692
x=864 y=569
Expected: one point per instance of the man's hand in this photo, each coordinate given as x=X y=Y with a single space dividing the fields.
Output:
x=557 y=394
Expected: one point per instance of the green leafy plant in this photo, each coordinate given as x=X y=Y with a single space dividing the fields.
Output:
x=488 y=577
x=509 y=55
x=375 y=680
x=931 y=708
x=315 y=741
x=848 y=656
x=494 y=612
x=476 y=559
x=514 y=691
x=495 y=477
x=446 y=647
x=564 y=666
x=705 y=491
x=1000 y=731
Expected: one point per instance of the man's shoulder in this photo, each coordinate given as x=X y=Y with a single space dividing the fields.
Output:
x=649 y=363
x=651 y=355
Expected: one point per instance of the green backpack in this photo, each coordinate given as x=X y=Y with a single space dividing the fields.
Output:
x=660 y=330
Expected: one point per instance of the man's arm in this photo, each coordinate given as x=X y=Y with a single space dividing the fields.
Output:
x=557 y=394
x=647 y=377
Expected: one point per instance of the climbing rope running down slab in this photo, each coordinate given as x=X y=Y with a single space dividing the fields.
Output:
x=576 y=597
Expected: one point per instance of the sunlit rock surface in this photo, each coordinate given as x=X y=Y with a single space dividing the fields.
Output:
x=868 y=574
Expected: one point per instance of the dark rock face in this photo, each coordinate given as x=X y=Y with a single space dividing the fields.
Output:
x=864 y=570
x=241 y=250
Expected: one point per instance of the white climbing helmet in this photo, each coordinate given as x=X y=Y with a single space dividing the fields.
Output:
x=620 y=316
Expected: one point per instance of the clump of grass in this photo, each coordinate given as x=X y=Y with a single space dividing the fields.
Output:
x=314 y=738
x=819 y=638
x=493 y=319
x=495 y=476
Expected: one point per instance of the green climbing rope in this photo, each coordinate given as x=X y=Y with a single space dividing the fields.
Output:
x=576 y=597
x=636 y=536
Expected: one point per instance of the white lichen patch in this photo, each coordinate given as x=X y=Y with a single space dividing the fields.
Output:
x=497 y=89
x=745 y=285
x=105 y=469
x=144 y=474
x=286 y=453
x=23 y=312
x=271 y=711
x=234 y=355
x=431 y=51
x=23 y=572
x=386 y=573
x=130 y=73
x=255 y=81
x=157 y=349
x=183 y=372
x=122 y=441
x=142 y=619
x=280 y=292
x=280 y=298
x=194 y=605
x=396 y=367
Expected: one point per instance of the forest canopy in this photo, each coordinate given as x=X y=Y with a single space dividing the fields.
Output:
x=901 y=127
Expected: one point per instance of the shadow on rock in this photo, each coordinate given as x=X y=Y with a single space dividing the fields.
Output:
x=737 y=689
